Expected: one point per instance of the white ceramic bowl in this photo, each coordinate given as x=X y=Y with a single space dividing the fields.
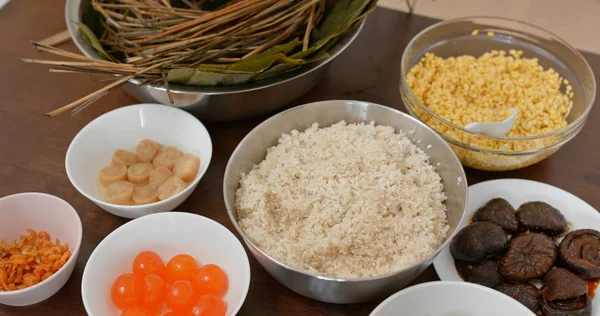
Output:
x=167 y=234
x=446 y=298
x=123 y=128
x=40 y=211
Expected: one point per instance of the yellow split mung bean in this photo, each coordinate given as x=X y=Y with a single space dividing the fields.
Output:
x=466 y=89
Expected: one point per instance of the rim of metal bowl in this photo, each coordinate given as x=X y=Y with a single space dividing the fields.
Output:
x=73 y=14
x=573 y=125
x=233 y=216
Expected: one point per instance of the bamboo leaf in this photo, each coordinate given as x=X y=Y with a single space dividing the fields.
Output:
x=342 y=14
x=240 y=72
x=91 y=18
x=260 y=64
x=92 y=40
x=284 y=49
x=195 y=77
x=285 y=68
x=275 y=71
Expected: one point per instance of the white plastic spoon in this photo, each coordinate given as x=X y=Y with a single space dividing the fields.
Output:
x=494 y=128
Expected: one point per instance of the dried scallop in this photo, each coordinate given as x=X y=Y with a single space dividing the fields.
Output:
x=150 y=174
x=144 y=195
x=139 y=173
x=120 y=192
x=171 y=187
x=124 y=157
x=187 y=167
x=147 y=149
x=166 y=157
x=113 y=173
x=158 y=176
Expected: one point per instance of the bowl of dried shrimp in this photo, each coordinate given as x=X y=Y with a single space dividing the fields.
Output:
x=40 y=237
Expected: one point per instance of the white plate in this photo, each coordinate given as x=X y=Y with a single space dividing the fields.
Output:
x=446 y=298
x=577 y=212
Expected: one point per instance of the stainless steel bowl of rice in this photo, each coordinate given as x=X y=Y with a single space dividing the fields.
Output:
x=344 y=201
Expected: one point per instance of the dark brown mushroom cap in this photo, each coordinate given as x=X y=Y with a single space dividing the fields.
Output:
x=478 y=242
x=581 y=306
x=529 y=256
x=485 y=273
x=525 y=293
x=580 y=252
x=541 y=217
x=561 y=284
x=499 y=212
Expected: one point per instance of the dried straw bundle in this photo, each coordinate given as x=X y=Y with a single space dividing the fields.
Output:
x=144 y=35
x=178 y=41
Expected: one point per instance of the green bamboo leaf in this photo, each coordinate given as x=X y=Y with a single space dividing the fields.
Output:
x=283 y=49
x=260 y=64
x=91 y=18
x=92 y=40
x=342 y=14
x=213 y=66
x=240 y=72
x=316 y=35
x=259 y=61
x=312 y=49
x=275 y=71
x=284 y=68
x=195 y=77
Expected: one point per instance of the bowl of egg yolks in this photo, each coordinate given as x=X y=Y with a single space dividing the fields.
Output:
x=139 y=159
x=167 y=236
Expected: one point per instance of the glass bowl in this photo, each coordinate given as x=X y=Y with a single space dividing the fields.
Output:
x=455 y=38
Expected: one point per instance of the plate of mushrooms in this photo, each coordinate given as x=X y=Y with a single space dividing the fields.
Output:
x=532 y=241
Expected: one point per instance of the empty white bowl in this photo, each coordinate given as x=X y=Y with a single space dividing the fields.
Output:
x=123 y=128
x=40 y=211
x=167 y=234
x=448 y=298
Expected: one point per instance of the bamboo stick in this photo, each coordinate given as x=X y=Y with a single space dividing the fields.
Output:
x=56 y=39
x=98 y=92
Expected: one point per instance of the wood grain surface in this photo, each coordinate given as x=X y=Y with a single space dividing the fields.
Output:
x=33 y=146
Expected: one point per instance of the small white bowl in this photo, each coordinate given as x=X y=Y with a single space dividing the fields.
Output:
x=40 y=211
x=446 y=298
x=167 y=234
x=123 y=128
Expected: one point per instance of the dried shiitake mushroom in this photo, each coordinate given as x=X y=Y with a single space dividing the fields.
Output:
x=478 y=242
x=529 y=256
x=485 y=273
x=580 y=252
x=527 y=294
x=499 y=212
x=541 y=217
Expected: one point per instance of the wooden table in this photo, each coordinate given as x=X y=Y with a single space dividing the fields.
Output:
x=33 y=146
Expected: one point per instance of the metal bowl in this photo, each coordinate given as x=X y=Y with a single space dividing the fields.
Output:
x=253 y=148
x=222 y=103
